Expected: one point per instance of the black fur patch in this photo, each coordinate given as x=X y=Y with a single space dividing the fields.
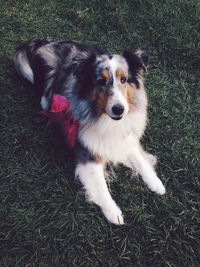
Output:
x=136 y=62
x=85 y=76
x=83 y=155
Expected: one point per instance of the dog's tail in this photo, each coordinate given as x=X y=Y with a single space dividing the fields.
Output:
x=25 y=58
x=22 y=62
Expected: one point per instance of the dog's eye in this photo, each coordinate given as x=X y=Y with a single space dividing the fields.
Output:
x=101 y=82
x=123 y=79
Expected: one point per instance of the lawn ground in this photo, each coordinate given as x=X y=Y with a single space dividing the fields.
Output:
x=44 y=219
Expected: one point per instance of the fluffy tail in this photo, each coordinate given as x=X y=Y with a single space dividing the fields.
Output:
x=25 y=58
x=22 y=63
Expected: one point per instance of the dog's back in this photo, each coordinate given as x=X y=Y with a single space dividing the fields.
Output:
x=49 y=65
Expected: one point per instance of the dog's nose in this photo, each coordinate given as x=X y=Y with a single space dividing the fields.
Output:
x=117 y=109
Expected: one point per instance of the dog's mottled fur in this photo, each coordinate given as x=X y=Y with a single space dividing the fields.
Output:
x=109 y=102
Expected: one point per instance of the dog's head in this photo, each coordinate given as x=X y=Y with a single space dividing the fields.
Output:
x=109 y=82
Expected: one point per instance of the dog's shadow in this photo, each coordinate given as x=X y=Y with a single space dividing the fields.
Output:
x=55 y=145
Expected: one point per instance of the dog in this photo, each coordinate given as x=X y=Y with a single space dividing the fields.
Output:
x=107 y=100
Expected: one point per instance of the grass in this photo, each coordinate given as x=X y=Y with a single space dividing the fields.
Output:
x=45 y=220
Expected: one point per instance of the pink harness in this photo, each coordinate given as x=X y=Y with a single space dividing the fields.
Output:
x=59 y=113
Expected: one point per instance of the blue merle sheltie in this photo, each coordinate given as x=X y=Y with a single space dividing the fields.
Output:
x=109 y=102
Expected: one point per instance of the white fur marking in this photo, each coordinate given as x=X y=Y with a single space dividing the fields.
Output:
x=117 y=98
x=44 y=102
x=114 y=140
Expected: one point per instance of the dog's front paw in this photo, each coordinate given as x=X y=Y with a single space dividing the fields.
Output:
x=157 y=187
x=113 y=214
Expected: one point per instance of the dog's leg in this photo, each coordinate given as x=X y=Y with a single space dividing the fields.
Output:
x=138 y=160
x=150 y=158
x=91 y=175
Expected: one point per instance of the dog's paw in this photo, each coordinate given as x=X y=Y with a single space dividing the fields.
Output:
x=113 y=214
x=157 y=187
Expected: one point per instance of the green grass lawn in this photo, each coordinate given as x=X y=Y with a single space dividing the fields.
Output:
x=44 y=219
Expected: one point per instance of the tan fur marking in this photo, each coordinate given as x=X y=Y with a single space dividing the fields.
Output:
x=120 y=73
x=101 y=99
x=129 y=91
x=105 y=74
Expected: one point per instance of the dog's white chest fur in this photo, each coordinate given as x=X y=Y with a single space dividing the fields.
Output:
x=113 y=140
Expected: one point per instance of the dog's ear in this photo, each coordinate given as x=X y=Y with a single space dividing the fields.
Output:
x=137 y=61
x=86 y=75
